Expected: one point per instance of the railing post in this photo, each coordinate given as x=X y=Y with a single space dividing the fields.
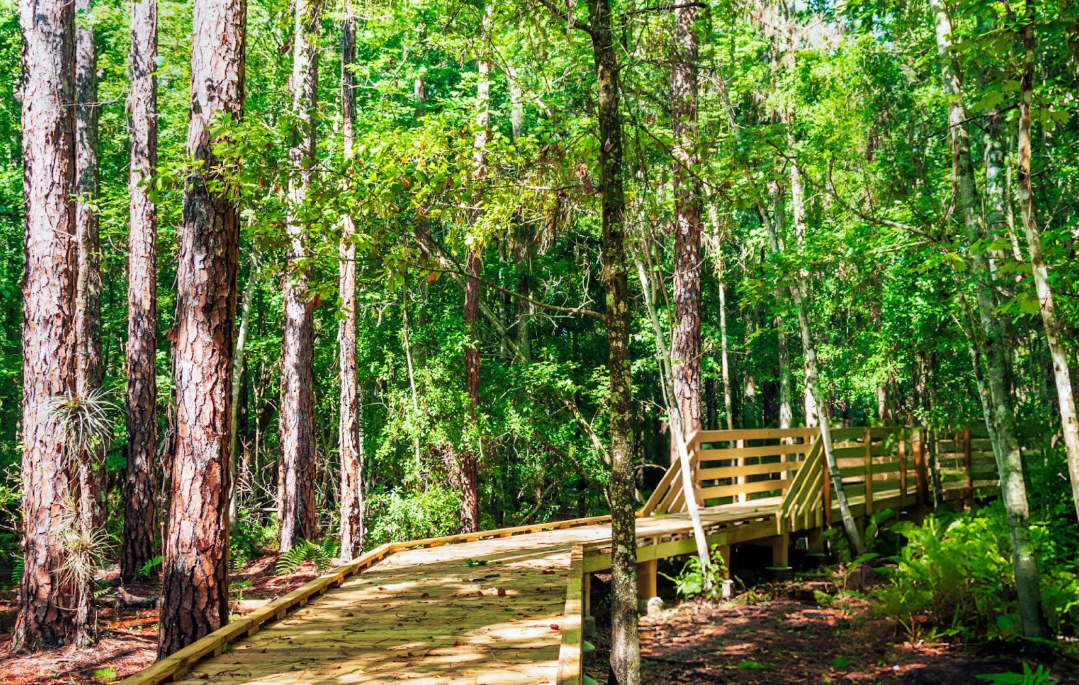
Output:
x=968 y=467
x=868 y=472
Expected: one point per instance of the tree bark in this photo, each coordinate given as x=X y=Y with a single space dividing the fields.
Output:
x=625 y=646
x=686 y=332
x=1010 y=462
x=88 y=369
x=139 y=479
x=299 y=519
x=48 y=332
x=351 y=447
x=195 y=590
x=1053 y=333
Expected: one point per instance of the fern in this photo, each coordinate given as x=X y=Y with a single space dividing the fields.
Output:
x=304 y=550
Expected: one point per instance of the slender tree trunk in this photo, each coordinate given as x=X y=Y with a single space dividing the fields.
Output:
x=1061 y=372
x=139 y=479
x=625 y=646
x=724 y=352
x=800 y=295
x=299 y=519
x=679 y=435
x=406 y=341
x=48 y=332
x=238 y=384
x=88 y=369
x=194 y=600
x=686 y=333
x=349 y=427
x=1013 y=486
x=470 y=510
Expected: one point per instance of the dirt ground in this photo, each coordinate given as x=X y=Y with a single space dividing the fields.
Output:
x=778 y=637
x=793 y=641
x=128 y=636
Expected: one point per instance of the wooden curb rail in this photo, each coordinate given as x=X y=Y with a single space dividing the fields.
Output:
x=177 y=665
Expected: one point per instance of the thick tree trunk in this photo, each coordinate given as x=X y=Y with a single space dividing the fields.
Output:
x=194 y=600
x=686 y=333
x=48 y=333
x=625 y=646
x=1061 y=372
x=1013 y=486
x=470 y=510
x=296 y=501
x=88 y=369
x=351 y=448
x=139 y=479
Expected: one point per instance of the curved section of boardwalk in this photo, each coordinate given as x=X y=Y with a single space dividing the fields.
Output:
x=487 y=611
x=506 y=606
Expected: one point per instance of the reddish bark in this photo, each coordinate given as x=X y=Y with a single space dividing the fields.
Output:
x=195 y=587
x=48 y=335
x=686 y=335
x=299 y=518
x=139 y=514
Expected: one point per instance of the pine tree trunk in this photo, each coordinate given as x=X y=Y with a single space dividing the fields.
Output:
x=88 y=370
x=299 y=519
x=1013 y=486
x=1061 y=372
x=48 y=333
x=349 y=426
x=194 y=600
x=686 y=333
x=625 y=646
x=139 y=479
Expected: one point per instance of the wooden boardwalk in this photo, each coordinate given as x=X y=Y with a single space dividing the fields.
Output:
x=507 y=606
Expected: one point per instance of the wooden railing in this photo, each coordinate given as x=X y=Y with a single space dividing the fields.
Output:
x=883 y=467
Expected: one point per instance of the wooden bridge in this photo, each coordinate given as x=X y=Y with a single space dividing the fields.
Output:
x=508 y=606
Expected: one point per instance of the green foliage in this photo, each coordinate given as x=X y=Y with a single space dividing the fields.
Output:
x=754 y=666
x=400 y=515
x=1040 y=676
x=148 y=568
x=105 y=675
x=690 y=581
x=955 y=574
x=321 y=555
x=842 y=662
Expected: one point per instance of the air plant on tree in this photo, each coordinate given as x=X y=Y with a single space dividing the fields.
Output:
x=83 y=426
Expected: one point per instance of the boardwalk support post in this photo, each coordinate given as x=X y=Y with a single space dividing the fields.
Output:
x=646 y=580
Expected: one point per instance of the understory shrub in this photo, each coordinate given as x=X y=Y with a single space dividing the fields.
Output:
x=955 y=574
x=397 y=515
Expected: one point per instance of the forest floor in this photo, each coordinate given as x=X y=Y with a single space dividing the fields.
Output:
x=774 y=634
x=128 y=634
x=779 y=635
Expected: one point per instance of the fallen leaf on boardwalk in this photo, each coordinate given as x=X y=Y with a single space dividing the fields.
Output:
x=501 y=592
x=425 y=594
x=554 y=626
x=458 y=643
